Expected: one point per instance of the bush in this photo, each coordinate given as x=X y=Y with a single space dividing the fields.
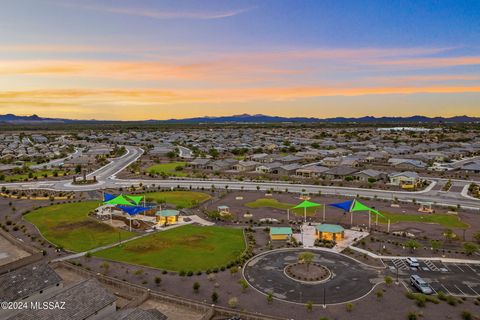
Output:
x=214 y=296
x=196 y=287
x=466 y=315
x=349 y=307
x=182 y=273
x=233 y=302
x=412 y=316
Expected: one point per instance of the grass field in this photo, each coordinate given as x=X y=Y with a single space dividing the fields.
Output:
x=68 y=226
x=182 y=199
x=188 y=248
x=168 y=169
x=447 y=220
x=274 y=203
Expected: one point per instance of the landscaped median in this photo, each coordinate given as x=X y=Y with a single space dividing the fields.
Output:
x=188 y=248
x=69 y=226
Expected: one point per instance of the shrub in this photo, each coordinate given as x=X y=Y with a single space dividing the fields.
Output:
x=349 y=307
x=412 y=316
x=233 y=302
x=466 y=315
x=214 y=296
x=196 y=287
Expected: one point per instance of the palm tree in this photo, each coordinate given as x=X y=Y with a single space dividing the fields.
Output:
x=306 y=257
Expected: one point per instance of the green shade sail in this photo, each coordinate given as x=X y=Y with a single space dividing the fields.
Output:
x=306 y=204
x=135 y=199
x=358 y=206
x=120 y=200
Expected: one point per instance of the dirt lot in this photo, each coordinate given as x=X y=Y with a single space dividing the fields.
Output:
x=9 y=252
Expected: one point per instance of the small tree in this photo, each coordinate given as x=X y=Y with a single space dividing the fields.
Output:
x=233 y=270
x=349 y=307
x=309 y=306
x=306 y=257
x=476 y=236
x=243 y=283
x=158 y=280
x=412 y=245
x=269 y=298
x=196 y=286
x=388 y=280
x=214 y=296
x=233 y=302
x=470 y=248
x=435 y=244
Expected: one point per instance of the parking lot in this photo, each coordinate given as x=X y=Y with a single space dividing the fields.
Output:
x=458 y=279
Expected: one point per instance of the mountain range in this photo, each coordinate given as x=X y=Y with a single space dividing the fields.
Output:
x=256 y=118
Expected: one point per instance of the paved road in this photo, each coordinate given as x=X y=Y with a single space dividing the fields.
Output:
x=57 y=162
x=106 y=177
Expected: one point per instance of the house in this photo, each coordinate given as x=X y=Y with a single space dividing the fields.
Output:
x=280 y=233
x=408 y=164
x=199 y=163
x=311 y=171
x=471 y=166
x=331 y=161
x=165 y=217
x=339 y=172
x=288 y=169
x=220 y=165
x=29 y=283
x=271 y=168
x=331 y=232
x=406 y=179
x=262 y=157
x=86 y=300
x=245 y=166
x=369 y=174
x=289 y=159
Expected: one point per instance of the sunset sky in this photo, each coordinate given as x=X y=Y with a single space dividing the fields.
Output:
x=155 y=59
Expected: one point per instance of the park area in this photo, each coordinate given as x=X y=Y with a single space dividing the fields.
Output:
x=69 y=226
x=173 y=169
x=274 y=203
x=186 y=248
x=180 y=199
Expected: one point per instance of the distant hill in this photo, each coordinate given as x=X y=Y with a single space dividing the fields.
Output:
x=256 y=118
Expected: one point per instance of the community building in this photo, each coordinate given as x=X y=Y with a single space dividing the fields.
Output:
x=280 y=233
x=329 y=232
x=165 y=217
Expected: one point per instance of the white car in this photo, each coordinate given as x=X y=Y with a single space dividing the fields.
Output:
x=413 y=262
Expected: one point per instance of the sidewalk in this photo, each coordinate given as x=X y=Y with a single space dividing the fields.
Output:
x=448 y=260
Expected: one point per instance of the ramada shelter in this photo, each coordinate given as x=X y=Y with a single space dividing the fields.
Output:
x=329 y=232
x=280 y=233
x=168 y=216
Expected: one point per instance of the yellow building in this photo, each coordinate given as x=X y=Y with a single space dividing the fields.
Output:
x=280 y=233
x=329 y=232
x=165 y=217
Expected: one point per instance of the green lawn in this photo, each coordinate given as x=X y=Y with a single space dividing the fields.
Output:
x=168 y=169
x=182 y=199
x=447 y=220
x=69 y=226
x=188 y=248
x=274 y=203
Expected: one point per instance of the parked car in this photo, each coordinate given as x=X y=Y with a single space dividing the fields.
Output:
x=413 y=263
x=420 y=284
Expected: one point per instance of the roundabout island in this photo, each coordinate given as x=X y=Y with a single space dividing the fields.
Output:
x=327 y=278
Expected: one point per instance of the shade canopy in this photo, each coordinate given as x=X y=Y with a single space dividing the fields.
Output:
x=120 y=200
x=135 y=199
x=133 y=210
x=358 y=206
x=345 y=206
x=306 y=204
x=108 y=197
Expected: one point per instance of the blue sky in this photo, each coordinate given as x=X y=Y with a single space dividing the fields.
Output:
x=141 y=59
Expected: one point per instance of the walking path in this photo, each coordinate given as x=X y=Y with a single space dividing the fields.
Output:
x=448 y=260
